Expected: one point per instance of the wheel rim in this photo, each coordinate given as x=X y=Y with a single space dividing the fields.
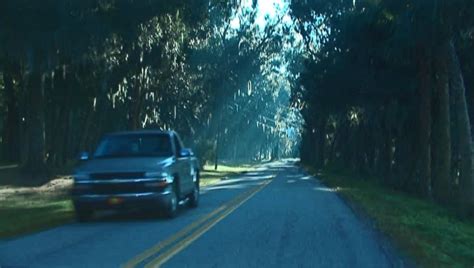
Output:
x=196 y=187
x=196 y=192
x=174 y=202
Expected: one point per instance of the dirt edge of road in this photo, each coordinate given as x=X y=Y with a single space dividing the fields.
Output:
x=395 y=254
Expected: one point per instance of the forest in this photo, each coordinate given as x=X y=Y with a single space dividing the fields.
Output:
x=380 y=88
x=74 y=70
x=388 y=93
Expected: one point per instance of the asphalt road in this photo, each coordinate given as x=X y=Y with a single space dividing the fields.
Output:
x=277 y=216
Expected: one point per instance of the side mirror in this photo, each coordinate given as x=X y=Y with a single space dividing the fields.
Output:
x=185 y=152
x=83 y=156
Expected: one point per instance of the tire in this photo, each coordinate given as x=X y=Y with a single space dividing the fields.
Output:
x=83 y=214
x=172 y=206
x=194 y=196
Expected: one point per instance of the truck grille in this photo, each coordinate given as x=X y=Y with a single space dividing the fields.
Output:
x=121 y=175
x=117 y=188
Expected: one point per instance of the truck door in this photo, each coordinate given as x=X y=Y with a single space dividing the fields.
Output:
x=183 y=166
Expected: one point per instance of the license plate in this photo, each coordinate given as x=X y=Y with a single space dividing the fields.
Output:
x=115 y=201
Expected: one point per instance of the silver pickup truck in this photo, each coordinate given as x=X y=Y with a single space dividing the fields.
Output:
x=138 y=169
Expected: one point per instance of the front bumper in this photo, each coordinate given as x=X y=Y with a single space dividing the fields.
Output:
x=146 y=200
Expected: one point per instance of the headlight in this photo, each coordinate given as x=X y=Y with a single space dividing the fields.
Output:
x=163 y=179
x=158 y=175
x=81 y=177
x=162 y=183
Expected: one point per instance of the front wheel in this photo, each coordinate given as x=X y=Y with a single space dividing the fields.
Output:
x=194 y=196
x=172 y=206
x=83 y=214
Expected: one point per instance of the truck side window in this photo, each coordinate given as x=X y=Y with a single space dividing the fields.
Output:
x=177 y=145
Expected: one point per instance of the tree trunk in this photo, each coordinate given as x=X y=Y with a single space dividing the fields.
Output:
x=217 y=141
x=441 y=140
x=36 y=164
x=134 y=116
x=305 y=147
x=320 y=141
x=24 y=115
x=424 y=138
x=464 y=135
x=11 y=127
x=85 y=135
x=60 y=137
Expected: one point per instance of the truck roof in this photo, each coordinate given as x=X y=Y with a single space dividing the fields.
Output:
x=142 y=131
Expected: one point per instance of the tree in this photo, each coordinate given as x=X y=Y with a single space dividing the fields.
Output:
x=93 y=67
x=386 y=75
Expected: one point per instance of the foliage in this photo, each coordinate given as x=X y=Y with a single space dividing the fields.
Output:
x=94 y=67
x=433 y=235
x=382 y=93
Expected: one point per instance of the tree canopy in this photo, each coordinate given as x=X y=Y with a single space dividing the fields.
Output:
x=376 y=87
x=383 y=92
x=74 y=70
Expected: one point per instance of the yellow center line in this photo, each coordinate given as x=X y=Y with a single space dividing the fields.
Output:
x=156 y=248
x=153 y=250
x=164 y=257
x=188 y=229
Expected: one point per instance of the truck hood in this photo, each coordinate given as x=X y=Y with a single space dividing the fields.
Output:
x=130 y=164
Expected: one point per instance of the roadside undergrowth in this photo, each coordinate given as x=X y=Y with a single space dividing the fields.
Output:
x=432 y=235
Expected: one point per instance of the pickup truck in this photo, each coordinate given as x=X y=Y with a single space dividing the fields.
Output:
x=136 y=169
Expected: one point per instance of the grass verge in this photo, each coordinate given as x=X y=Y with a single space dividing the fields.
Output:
x=28 y=209
x=431 y=234
x=210 y=176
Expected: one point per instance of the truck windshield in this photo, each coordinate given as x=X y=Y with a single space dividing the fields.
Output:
x=134 y=145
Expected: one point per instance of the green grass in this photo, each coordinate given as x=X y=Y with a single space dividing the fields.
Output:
x=26 y=214
x=27 y=206
x=431 y=234
x=210 y=176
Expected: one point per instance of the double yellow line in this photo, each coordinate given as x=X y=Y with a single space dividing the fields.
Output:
x=190 y=233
